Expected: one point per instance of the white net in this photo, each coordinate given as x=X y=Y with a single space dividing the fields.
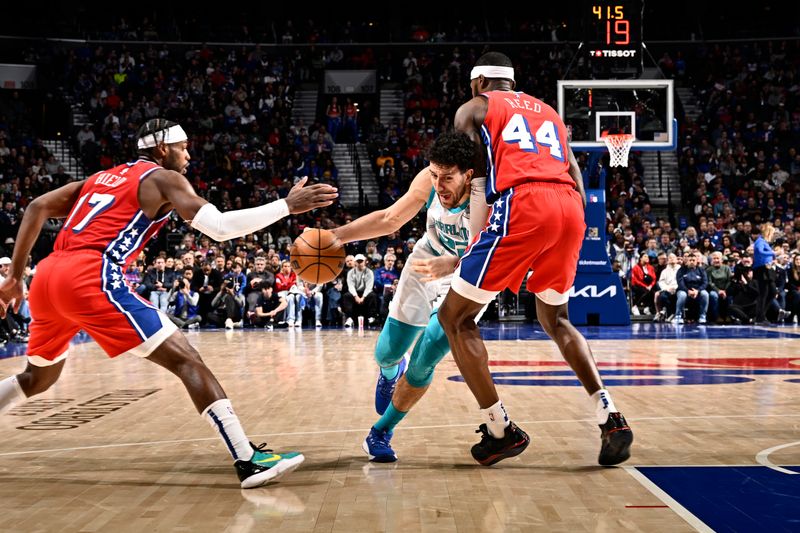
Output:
x=618 y=147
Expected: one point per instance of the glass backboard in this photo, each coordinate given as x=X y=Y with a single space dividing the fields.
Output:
x=643 y=108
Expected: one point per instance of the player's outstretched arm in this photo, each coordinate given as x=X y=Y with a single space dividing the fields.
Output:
x=207 y=218
x=54 y=204
x=385 y=221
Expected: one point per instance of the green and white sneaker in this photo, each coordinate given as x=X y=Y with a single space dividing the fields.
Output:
x=266 y=466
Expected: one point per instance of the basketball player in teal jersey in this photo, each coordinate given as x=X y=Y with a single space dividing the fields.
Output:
x=456 y=210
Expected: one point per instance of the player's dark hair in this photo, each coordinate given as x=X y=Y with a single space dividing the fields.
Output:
x=453 y=149
x=154 y=126
x=494 y=59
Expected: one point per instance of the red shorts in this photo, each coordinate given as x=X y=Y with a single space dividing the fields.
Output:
x=84 y=290
x=536 y=226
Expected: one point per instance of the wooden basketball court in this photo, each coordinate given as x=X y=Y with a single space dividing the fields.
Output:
x=117 y=445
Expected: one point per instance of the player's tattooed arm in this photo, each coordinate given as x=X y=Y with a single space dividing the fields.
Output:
x=469 y=119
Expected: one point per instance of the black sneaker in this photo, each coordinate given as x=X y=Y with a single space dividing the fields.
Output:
x=265 y=466
x=491 y=450
x=616 y=438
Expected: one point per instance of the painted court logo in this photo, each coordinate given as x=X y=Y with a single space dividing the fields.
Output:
x=85 y=412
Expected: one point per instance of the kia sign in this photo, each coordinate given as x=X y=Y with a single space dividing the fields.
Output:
x=591 y=291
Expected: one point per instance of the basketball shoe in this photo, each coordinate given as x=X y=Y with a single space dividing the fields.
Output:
x=616 y=438
x=491 y=450
x=378 y=448
x=385 y=388
x=266 y=466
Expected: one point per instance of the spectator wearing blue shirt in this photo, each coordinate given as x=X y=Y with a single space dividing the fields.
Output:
x=763 y=274
x=385 y=275
x=238 y=279
x=692 y=284
x=185 y=300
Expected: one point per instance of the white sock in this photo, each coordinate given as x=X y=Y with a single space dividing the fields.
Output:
x=604 y=405
x=10 y=394
x=496 y=419
x=222 y=418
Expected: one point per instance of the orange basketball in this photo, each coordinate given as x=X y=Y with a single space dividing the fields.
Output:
x=317 y=256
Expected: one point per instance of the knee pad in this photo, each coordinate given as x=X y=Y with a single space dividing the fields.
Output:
x=429 y=350
x=394 y=341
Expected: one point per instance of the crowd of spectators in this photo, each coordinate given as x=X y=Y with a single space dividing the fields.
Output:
x=739 y=168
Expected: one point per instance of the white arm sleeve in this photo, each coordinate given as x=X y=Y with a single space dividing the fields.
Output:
x=478 y=208
x=225 y=226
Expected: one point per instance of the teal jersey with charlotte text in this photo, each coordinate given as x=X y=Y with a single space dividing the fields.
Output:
x=447 y=229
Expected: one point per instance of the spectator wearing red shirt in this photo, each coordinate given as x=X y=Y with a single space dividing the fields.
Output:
x=643 y=282
x=113 y=100
x=285 y=279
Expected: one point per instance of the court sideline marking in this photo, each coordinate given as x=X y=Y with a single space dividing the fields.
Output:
x=679 y=509
x=762 y=457
x=362 y=430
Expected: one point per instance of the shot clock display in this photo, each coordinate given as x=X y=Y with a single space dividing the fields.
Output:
x=614 y=29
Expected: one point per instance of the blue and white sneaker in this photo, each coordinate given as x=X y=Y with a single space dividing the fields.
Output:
x=385 y=388
x=377 y=446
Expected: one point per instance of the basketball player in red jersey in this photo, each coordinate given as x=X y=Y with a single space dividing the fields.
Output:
x=535 y=189
x=81 y=285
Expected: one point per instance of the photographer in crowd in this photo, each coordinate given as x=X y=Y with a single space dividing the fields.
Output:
x=226 y=307
x=184 y=302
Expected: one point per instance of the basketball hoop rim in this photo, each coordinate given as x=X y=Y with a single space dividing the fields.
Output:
x=618 y=145
x=617 y=139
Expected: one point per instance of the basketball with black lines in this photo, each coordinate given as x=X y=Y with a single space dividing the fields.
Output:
x=317 y=256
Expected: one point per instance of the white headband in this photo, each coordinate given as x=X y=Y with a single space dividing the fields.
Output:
x=174 y=134
x=490 y=71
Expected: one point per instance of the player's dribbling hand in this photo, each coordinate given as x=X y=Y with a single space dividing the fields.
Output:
x=435 y=268
x=301 y=199
x=10 y=295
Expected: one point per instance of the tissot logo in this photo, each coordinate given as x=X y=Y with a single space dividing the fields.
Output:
x=612 y=53
x=591 y=291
